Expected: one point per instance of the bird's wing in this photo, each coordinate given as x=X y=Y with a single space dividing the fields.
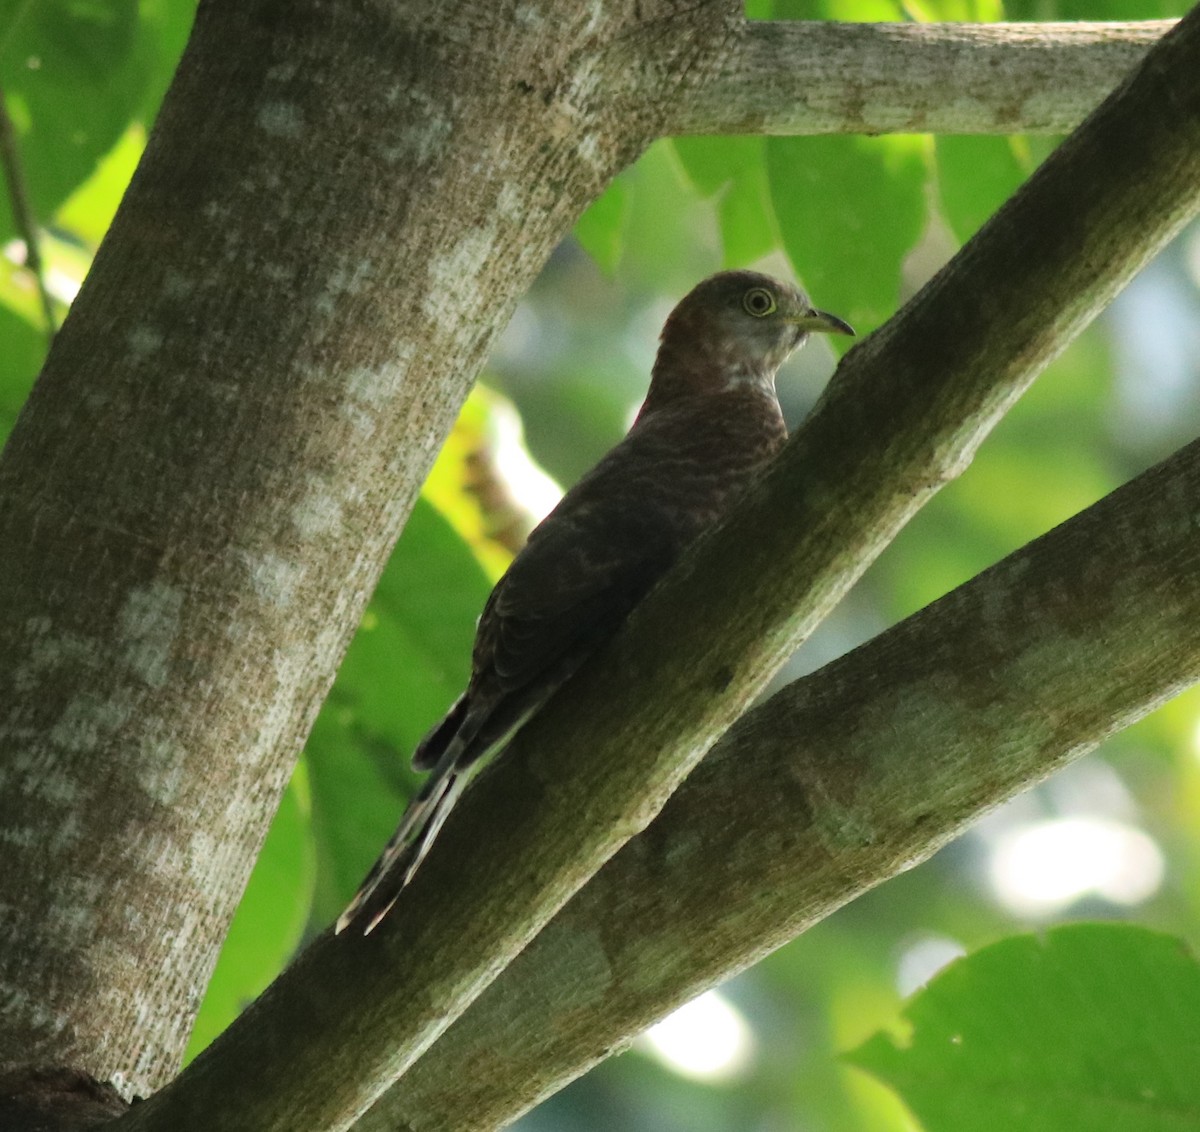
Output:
x=585 y=567
x=571 y=587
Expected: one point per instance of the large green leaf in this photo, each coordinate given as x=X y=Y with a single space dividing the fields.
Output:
x=850 y=210
x=1095 y=10
x=412 y=653
x=733 y=170
x=1089 y=1027
x=163 y=33
x=22 y=348
x=73 y=79
x=76 y=74
x=410 y=658
x=669 y=236
x=976 y=175
x=601 y=229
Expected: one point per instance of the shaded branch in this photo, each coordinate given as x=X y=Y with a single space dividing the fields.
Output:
x=903 y=416
x=801 y=77
x=837 y=783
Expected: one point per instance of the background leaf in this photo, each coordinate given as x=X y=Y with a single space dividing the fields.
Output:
x=407 y=663
x=1092 y=1026
x=850 y=211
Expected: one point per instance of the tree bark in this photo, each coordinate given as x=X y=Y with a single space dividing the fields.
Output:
x=820 y=78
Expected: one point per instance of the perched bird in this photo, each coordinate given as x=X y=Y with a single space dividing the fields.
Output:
x=709 y=425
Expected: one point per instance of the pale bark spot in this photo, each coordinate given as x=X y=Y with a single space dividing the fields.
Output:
x=273 y=577
x=176 y=285
x=280 y=119
x=318 y=512
x=149 y=623
x=88 y=719
x=143 y=341
x=160 y=770
x=377 y=386
x=454 y=277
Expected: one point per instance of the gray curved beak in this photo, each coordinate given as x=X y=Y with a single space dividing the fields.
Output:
x=822 y=322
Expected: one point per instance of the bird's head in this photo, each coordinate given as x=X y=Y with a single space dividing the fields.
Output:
x=734 y=329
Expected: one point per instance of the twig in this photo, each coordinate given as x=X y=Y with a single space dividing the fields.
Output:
x=23 y=216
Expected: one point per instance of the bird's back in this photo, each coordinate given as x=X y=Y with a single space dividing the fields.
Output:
x=598 y=553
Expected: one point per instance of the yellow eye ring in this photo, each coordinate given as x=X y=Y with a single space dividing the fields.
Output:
x=758 y=302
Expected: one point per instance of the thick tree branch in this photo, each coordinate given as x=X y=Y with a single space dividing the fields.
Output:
x=224 y=443
x=838 y=782
x=904 y=415
x=820 y=78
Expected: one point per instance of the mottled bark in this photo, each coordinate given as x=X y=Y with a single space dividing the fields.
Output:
x=833 y=78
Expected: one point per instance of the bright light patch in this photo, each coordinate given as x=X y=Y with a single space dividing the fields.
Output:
x=531 y=487
x=1041 y=868
x=1191 y=256
x=706 y=1040
x=923 y=959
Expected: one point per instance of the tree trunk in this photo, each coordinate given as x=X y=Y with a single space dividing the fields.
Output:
x=338 y=208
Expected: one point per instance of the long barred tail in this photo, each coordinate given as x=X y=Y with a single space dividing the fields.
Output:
x=419 y=825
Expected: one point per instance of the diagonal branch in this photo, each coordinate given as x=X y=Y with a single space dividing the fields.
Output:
x=906 y=412
x=801 y=77
x=837 y=783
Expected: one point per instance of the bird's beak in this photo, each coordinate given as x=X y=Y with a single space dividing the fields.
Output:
x=822 y=322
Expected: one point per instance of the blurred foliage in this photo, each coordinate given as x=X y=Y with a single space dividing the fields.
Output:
x=1062 y=1032
x=862 y=222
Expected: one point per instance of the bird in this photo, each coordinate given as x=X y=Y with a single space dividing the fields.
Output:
x=709 y=425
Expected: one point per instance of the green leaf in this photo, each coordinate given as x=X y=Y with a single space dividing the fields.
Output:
x=89 y=210
x=410 y=658
x=601 y=229
x=976 y=175
x=269 y=922
x=24 y=343
x=711 y=164
x=734 y=171
x=1095 y=10
x=860 y=10
x=163 y=33
x=850 y=210
x=1091 y=1026
x=73 y=79
x=412 y=653
x=669 y=234
x=355 y=805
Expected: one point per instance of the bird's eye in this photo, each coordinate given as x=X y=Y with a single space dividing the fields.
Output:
x=759 y=302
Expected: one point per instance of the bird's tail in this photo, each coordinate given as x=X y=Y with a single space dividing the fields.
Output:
x=419 y=825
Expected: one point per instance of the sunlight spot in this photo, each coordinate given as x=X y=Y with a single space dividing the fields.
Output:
x=533 y=490
x=706 y=1040
x=1043 y=867
x=924 y=958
